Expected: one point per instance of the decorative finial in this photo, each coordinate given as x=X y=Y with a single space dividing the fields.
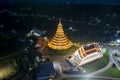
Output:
x=60 y=20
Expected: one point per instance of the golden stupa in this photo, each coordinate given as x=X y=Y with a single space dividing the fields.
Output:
x=60 y=40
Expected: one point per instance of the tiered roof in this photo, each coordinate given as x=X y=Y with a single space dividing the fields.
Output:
x=88 y=49
x=59 y=40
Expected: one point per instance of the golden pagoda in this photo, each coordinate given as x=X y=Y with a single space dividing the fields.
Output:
x=60 y=40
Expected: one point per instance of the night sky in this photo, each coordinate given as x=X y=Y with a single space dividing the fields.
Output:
x=64 y=1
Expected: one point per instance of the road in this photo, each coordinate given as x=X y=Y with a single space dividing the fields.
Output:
x=95 y=77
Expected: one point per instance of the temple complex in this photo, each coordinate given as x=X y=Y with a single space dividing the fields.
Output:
x=60 y=40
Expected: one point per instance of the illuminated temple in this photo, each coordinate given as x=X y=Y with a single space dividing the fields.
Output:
x=87 y=53
x=60 y=40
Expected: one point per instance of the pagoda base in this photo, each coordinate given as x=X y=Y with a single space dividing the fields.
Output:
x=54 y=52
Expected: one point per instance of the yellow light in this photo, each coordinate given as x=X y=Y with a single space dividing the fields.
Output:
x=6 y=71
x=60 y=40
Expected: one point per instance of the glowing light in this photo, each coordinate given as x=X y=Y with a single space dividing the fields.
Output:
x=6 y=71
x=84 y=71
x=60 y=40
x=118 y=40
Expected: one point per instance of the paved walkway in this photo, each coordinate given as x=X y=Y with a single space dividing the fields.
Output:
x=77 y=44
x=86 y=76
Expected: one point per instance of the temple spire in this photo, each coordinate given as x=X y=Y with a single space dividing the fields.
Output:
x=60 y=40
x=60 y=19
x=60 y=23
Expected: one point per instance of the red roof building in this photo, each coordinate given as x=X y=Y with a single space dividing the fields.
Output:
x=87 y=53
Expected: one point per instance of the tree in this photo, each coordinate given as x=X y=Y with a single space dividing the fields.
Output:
x=113 y=65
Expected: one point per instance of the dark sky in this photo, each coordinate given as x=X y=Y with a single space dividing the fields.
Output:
x=64 y=1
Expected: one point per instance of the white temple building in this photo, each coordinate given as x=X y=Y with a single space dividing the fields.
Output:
x=87 y=53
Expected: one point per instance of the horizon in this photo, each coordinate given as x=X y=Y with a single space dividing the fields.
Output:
x=104 y=2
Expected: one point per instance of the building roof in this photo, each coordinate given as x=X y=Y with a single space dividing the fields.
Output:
x=38 y=31
x=88 y=49
x=91 y=51
x=88 y=53
x=41 y=41
x=46 y=69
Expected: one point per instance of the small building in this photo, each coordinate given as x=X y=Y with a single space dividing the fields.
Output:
x=46 y=72
x=87 y=53
x=36 y=32
x=41 y=41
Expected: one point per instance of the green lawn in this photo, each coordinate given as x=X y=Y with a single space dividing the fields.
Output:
x=98 y=64
x=111 y=72
x=62 y=52
x=11 y=61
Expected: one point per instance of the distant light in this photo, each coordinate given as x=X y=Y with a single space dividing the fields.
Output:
x=84 y=71
x=1 y=26
x=118 y=40
x=70 y=28
x=30 y=68
x=68 y=2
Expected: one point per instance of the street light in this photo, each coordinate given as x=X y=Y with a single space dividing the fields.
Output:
x=84 y=71
x=118 y=40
